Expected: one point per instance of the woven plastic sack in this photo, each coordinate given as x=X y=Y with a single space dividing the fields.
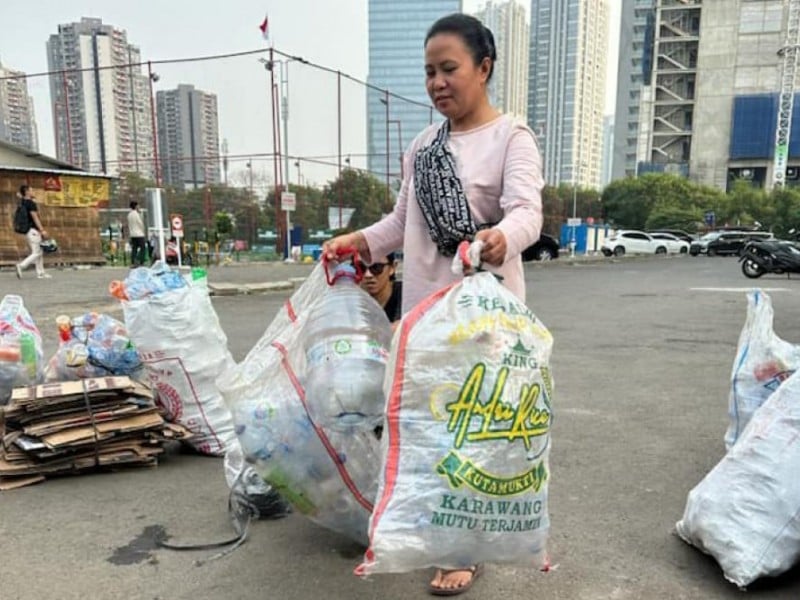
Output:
x=184 y=350
x=467 y=439
x=763 y=362
x=328 y=476
x=21 y=355
x=744 y=512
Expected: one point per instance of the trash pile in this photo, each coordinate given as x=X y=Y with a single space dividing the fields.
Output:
x=744 y=512
x=92 y=345
x=74 y=426
x=20 y=347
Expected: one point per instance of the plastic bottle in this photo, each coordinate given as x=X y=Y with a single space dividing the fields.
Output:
x=27 y=346
x=117 y=289
x=346 y=344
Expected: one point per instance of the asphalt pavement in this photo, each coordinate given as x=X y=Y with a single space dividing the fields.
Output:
x=642 y=360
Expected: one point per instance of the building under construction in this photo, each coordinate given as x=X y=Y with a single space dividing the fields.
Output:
x=721 y=92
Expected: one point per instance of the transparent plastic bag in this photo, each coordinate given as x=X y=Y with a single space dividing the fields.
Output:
x=465 y=449
x=763 y=361
x=184 y=349
x=327 y=474
x=744 y=512
x=93 y=345
x=21 y=355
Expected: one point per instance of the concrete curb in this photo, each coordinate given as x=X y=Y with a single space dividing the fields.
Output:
x=243 y=289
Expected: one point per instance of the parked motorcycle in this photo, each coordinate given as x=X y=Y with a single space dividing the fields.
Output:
x=759 y=258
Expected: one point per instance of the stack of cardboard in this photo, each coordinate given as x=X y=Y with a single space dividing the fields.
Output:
x=74 y=426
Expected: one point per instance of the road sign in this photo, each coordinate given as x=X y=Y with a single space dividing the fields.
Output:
x=573 y=222
x=176 y=225
x=288 y=201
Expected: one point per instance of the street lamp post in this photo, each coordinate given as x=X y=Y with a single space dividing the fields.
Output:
x=153 y=77
x=399 y=143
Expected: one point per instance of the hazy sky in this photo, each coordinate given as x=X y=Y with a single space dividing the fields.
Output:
x=329 y=32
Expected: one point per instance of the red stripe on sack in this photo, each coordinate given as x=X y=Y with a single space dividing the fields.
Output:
x=199 y=404
x=393 y=420
x=320 y=433
x=290 y=310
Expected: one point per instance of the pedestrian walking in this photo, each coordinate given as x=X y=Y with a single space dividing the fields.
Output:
x=136 y=235
x=476 y=176
x=34 y=235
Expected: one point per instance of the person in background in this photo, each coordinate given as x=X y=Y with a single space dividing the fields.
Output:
x=36 y=233
x=476 y=176
x=136 y=234
x=380 y=282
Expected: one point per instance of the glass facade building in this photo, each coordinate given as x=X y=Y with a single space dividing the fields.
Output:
x=396 y=63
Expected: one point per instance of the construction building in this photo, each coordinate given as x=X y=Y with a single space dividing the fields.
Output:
x=718 y=84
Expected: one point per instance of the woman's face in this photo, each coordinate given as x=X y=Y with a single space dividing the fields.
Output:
x=374 y=283
x=455 y=84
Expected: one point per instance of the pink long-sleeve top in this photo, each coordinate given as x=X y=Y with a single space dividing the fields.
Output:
x=501 y=170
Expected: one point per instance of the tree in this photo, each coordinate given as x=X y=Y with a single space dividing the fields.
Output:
x=223 y=223
x=361 y=191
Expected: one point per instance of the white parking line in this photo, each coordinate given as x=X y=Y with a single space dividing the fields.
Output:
x=737 y=289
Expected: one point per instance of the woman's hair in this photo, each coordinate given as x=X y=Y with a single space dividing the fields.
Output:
x=23 y=189
x=133 y=204
x=477 y=37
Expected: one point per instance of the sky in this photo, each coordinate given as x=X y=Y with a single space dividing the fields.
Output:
x=330 y=33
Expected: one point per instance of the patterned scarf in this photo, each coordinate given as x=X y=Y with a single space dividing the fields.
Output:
x=440 y=195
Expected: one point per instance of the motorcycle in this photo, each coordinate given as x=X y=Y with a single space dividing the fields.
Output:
x=761 y=257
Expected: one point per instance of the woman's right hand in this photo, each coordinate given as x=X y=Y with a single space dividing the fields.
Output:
x=332 y=247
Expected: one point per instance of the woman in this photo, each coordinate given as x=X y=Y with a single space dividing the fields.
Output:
x=477 y=176
x=380 y=282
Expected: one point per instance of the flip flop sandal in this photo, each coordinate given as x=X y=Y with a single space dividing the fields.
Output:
x=477 y=571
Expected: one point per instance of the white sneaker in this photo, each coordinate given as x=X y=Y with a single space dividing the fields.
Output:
x=19 y=271
x=44 y=276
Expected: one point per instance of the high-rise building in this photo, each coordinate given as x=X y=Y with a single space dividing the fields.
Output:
x=637 y=25
x=508 y=22
x=188 y=137
x=101 y=102
x=17 y=121
x=711 y=109
x=397 y=64
x=566 y=97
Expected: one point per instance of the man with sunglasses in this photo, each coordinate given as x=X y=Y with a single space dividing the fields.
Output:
x=380 y=282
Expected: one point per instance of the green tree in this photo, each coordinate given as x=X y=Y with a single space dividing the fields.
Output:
x=361 y=191
x=223 y=223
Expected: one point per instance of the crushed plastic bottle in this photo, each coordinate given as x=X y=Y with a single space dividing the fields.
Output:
x=143 y=282
x=347 y=341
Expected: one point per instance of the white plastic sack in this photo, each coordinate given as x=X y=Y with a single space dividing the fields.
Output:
x=744 y=512
x=184 y=350
x=763 y=362
x=328 y=476
x=467 y=438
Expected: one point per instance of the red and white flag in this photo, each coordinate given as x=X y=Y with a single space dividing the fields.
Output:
x=264 y=27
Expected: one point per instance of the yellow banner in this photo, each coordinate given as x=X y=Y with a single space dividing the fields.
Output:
x=77 y=191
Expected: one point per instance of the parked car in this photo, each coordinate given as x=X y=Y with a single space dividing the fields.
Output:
x=726 y=242
x=545 y=248
x=674 y=244
x=632 y=242
x=678 y=233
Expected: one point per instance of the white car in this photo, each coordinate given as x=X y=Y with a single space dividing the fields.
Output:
x=674 y=244
x=630 y=241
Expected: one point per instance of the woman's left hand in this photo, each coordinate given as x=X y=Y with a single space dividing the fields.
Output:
x=494 y=246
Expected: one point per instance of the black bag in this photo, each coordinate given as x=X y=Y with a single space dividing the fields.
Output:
x=22 y=221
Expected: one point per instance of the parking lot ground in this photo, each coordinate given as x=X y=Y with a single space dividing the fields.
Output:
x=642 y=360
